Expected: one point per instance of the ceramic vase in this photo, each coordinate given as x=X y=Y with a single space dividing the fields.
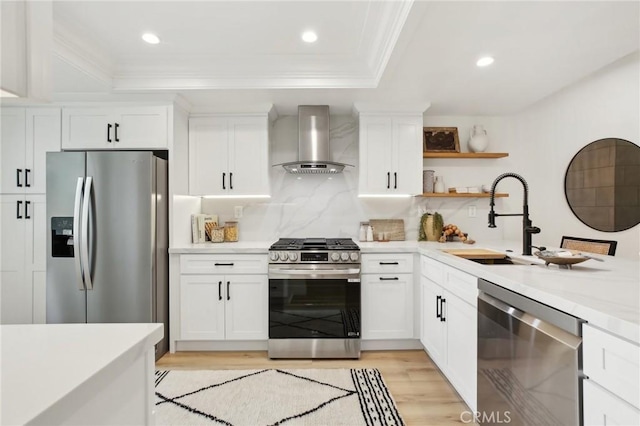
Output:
x=438 y=186
x=478 y=139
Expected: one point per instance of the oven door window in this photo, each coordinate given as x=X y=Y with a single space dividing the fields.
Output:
x=314 y=308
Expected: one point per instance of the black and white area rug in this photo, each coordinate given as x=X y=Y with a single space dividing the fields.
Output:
x=274 y=397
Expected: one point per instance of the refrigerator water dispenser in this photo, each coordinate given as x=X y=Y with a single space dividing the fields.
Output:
x=62 y=236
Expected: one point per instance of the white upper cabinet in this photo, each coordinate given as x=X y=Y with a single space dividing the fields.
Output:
x=229 y=155
x=115 y=128
x=390 y=154
x=27 y=135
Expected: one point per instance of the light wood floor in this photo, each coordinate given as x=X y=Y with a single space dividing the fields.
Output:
x=422 y=394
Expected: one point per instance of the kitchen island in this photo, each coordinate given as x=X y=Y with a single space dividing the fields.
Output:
x=78 y=373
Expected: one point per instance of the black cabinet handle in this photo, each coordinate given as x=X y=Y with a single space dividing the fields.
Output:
x=109 y=132
x=230 y=180
x=115 y=132
x=388 y=263
x=219 y=290
x=26 y=178
x=395 y=180
x=223 y=176
x=389 y=279
x=26 y=209
x=223 y=264
x=18 y=215
x=18 y=171
x=388 y=180
x=438 y=313
x=442 y=302
x=228 y=292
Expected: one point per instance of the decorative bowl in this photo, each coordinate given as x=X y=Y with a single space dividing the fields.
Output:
x=552 y=257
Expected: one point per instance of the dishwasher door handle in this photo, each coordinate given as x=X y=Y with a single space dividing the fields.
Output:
x=542 y=326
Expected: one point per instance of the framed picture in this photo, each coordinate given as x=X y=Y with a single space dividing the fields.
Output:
x=441 y=139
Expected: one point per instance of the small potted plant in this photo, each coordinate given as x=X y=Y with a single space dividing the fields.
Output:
x=431 y=225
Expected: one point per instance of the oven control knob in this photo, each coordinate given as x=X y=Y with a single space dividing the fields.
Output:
x=293 y=256
x=283 y=256
x=335 y=257
x=344 y=256
x=273 y=256
x=354 y=257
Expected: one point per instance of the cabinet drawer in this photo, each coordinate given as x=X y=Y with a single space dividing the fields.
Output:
x=223 y=264
x=387 y=263
x=432 y=269
x=603 y=408
x=461 y=284
x=613 y=363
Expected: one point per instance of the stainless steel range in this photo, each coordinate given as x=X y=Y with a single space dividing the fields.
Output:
x=314 y=298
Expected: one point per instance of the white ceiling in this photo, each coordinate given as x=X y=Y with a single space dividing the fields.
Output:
x=227 y=54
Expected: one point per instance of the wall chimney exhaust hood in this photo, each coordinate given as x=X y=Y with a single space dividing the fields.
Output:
x=314 y=154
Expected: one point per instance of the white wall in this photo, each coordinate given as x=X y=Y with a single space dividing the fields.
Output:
x=548 y=135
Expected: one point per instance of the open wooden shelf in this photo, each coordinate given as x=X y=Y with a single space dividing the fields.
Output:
x=464 y=195
x=464 y=154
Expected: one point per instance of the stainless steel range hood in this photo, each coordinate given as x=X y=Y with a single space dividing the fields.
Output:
x=314 y=154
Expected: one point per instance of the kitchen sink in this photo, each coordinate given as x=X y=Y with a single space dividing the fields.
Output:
x=488 y=257
x=504 y=261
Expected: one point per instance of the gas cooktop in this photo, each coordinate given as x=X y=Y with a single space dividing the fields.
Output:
x=314 y=244
x=314 y=250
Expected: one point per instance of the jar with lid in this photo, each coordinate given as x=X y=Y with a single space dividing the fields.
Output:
x=363 y=231
x=217 y=234
x=231 y=231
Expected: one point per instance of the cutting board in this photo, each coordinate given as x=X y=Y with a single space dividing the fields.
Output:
x=476 y=253
x=393 y=229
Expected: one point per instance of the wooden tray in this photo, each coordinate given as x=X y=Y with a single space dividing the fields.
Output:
x=558 y=260
x=393 y=229
x=476 y=253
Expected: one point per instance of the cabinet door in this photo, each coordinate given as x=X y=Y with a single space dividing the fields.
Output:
x=248 y=156
x=208 y=156
x=387 y=306
x=42 y=136
x=407 y=155
x=376 y=174
x=141 y=128
x=246 y=307
x=87 y=128
x=15 y=292
x=201 y=307
x=604 y=408
x=461 y=321
x=12 y=150
x=433 y=330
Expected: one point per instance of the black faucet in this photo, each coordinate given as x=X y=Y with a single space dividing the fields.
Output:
x=527 y=228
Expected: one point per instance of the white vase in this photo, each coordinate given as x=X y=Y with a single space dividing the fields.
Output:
x=438 y=187
x=478 y=139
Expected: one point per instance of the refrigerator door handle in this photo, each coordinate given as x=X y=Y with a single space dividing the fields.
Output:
x=76 y=234
x=86 y=204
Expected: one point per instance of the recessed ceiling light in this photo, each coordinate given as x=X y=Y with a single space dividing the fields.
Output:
x=483 y=62
x=309 y=36
x=150 y=38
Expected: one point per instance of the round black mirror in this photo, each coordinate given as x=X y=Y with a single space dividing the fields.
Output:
x=602 y=185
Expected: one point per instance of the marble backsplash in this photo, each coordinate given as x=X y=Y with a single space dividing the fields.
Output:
x=328 y=205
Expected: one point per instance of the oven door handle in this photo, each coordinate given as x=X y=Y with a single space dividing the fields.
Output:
x=314 y=274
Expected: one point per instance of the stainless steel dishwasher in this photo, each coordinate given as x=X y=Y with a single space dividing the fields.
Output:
x=529 y=361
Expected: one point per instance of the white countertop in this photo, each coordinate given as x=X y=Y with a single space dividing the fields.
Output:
x=606 y=294
x=247 y=247
x=44 y=364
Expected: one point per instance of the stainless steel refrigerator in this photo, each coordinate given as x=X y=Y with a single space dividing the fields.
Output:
x=107 y=239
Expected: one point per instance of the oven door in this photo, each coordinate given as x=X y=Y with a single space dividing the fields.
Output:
x=314 y=301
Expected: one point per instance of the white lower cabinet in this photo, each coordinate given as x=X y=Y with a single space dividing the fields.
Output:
x=387 y=296
x=23 y=259
x=612 y=391
x=449 y=325
x=232 y=306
